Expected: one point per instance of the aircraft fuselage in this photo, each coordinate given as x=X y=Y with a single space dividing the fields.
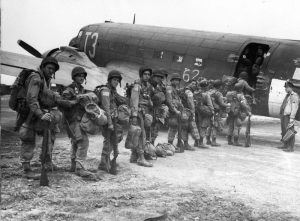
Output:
x=194 y=54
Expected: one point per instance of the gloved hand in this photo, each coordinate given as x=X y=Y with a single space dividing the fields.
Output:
x=46 y=117
x=134 y=121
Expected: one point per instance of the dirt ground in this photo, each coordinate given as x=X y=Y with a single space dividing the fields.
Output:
x=220 y=183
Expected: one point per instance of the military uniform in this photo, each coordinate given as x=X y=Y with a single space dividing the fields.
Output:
x=203 y=100
x=141 y=110
x=160 y=109
x=219 y=106
x=109 y=103
x=288 y=111
x=40 y=100
x=73 y=115
x=176 y=110
x=239 y=109
x=187 y=98
x=242 y=85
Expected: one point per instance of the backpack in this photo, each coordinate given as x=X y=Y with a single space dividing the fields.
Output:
x=17 y=100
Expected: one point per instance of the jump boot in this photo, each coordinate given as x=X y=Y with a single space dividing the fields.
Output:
x=177 y=150
x=214 y=142
x=208 y=141
x=142 y=162
x=229 y=139
x=197 y=143
x=104 y=163
x=201 y=144
x=28 y=173
x=73 y=165
x=236 y=141
x=82 y=172
x=133 y=156
x=188 y=147
x=288 y=150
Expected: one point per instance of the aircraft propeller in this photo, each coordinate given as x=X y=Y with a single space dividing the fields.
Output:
x=30 y=49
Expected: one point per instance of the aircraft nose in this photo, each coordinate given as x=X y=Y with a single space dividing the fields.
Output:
x=74 y=42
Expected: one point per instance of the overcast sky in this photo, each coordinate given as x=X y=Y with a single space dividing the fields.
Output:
x=48 y=24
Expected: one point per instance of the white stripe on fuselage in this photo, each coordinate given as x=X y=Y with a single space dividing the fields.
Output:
x=276 y=96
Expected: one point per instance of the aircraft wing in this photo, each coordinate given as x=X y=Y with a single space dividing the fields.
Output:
x=13 y=63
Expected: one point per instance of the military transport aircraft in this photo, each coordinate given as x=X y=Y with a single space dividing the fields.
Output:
x=106 y=46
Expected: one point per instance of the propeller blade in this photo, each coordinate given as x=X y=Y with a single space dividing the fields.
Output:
x=133 y=19
x=29 y=49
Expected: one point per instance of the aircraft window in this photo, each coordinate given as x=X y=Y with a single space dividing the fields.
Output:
x=178 y=58
x=79 y=34
x=158 y=54
x=198 y=62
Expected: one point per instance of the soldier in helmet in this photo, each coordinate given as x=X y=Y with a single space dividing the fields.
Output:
x=41 y=111
x=160 y=109
x=219 y=106
x=112 y=132
x=205 y=111
x=165 y=73
x=244 y=86
x=187 y=98
x=239 y=109
x=141 y=115
x=176 y=108
x=73 y=115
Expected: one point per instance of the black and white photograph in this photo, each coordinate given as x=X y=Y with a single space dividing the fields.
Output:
x=147 y=110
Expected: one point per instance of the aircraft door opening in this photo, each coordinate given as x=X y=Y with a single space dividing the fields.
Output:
x=251 y=61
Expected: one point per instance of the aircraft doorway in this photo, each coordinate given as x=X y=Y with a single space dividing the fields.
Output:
x=251 y=61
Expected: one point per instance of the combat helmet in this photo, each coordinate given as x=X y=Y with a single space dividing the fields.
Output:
x=49 y=60
x=243 y=75
x=175 y=76
x=143 y=69
x=217 y=83
x=78 y=70
x=158 y=73
x=114 y=74
x=203 y=83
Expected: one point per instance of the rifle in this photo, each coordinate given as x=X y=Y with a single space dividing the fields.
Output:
x=44 y=181
x=247 y=133
x=113 y=162
x=68 y=129
x=179 y=141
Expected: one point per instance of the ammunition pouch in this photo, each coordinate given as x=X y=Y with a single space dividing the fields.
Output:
x=27 y=133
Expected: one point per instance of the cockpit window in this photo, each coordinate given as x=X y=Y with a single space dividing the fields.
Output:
x=79 y=34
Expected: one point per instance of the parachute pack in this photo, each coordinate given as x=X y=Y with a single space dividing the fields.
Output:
x=17 y=100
